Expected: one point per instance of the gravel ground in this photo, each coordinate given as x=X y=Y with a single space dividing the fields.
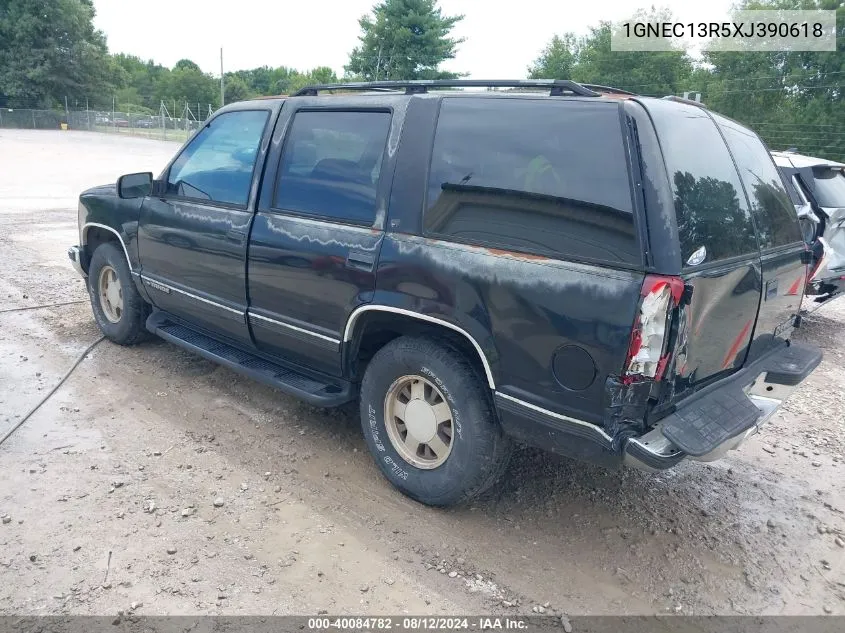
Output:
x=157 y=482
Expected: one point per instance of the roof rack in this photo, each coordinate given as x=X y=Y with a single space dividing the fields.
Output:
x=556 y=87
x=697 y=104
x=609 y=90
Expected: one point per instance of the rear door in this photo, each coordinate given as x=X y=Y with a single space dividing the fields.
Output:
x=720 y=258
x=779 y=234
x=316 y=237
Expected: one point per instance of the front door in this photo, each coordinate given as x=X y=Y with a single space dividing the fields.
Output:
x=316 y=237
x=192 y=237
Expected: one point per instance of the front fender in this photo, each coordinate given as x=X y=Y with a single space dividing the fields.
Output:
x=100 y=208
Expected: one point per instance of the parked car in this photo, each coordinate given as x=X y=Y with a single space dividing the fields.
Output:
x=817 y=187
x=585 y=273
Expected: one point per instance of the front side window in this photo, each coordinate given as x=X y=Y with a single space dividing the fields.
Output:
x=539 y=176
x=710 y=206
x=777 y=223
x=331 y=165
x=218 y=163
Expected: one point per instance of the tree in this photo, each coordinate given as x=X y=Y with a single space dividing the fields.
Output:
x=558 y=59
x=49 y=50
x=404 y=39
x=235 y=88
x=791 y=98
x=187 y=64
x=188 y=83
x=589 y=59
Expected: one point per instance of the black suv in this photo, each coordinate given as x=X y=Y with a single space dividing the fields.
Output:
x=610 y=277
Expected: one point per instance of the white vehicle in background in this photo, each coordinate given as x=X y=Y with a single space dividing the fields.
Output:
x=817 y=188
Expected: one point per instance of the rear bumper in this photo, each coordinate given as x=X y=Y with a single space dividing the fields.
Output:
x=722 y=416
x=707 y=425
x=74 y=253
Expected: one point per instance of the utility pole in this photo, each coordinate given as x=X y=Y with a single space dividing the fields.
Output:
x=222 y=92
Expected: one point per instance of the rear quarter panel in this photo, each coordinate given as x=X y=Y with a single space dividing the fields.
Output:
x=521 y=309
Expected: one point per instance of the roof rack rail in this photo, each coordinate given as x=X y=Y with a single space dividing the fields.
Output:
x=556 y=87
x=609 y=90
x=697 y=104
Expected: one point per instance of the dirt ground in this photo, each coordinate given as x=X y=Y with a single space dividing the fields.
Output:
x=157 y=482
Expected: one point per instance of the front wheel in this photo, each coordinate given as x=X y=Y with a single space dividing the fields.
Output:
x=429 y=422
x=119 y=309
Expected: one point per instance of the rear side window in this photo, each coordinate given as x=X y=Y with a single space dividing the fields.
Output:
x=830 y=187
x=331 y=165
x=777 y=222
x=546 y=177
x=710 y=206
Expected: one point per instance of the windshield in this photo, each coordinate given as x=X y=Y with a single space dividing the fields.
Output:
x=830 y=187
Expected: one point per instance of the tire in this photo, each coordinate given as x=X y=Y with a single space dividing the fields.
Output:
x=477 y=452
x=124 y=325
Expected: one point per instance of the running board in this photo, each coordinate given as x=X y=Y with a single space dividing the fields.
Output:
x=321 y=391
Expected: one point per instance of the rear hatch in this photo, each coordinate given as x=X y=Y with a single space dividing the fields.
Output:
x=779 y=236
x=740 y=247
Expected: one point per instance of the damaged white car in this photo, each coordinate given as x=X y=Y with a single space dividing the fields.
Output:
x=817 y=188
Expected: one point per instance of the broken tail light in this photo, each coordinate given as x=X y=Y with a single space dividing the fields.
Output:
x=647 y=353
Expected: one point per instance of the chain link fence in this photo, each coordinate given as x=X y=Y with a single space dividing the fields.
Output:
x=160 y=126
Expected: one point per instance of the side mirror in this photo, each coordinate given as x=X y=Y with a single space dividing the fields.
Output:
x=135 y=185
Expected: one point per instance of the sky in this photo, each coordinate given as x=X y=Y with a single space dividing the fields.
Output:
x=502 y=38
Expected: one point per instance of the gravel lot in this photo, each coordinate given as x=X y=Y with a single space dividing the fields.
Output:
x=157 y=482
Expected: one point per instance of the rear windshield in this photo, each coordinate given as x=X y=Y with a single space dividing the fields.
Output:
x=710 y=205
x=537 y=176
x=830 y=187
x=777 y=222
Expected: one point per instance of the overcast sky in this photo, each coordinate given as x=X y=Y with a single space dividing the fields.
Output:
x=502 y=38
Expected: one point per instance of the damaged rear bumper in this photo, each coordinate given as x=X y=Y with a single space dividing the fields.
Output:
x=723 y=415
x=705 y=427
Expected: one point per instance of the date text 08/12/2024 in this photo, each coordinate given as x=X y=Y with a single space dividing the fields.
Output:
x=419 y=623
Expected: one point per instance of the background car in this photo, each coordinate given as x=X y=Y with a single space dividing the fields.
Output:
x=817 y=188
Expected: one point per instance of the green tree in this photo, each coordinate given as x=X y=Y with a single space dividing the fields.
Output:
x=792 y=99
x=186 y=82
x=404 y=39
x=187 y=64
x=235 y=88
x=589 y=59
x=558 y=59
x=49 y=50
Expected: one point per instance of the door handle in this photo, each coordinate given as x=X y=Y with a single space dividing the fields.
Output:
x=235 y=235
x=360 y=261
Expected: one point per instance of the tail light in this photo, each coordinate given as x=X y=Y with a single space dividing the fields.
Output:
x=647 y=353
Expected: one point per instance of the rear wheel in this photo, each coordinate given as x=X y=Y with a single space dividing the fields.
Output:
x=429 y=422
x=118 y=308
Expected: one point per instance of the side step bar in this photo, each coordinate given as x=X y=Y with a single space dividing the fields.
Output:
x=321 y=391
